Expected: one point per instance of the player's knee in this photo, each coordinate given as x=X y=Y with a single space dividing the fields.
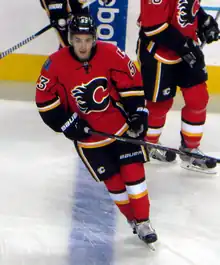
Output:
x=159 y=108
x=196 y=97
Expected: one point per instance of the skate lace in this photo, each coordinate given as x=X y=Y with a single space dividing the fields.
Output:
x=145 y=228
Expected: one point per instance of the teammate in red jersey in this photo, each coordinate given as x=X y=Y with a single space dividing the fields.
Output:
x=94 y=84
x=170 y=56
x=59 y=12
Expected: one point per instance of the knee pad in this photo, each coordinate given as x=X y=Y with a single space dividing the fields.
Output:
x=160 y=108
x=196 y=97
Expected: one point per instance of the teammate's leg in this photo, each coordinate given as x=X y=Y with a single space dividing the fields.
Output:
x=160 y=88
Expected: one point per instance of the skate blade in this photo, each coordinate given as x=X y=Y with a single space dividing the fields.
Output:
x=151 y=246
x=191 y=167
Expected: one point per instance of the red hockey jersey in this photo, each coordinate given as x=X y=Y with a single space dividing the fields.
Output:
x=93 y=89
x=160 y=13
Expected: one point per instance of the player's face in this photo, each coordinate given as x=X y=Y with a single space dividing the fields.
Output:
x=82 y=44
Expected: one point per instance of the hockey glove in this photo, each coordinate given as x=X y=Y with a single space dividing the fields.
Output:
x=58 y=14
x=138 y=123
x=208 y=30
x=191 y=53
x=74 y=128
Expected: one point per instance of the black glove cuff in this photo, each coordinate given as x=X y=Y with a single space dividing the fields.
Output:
x=170 y=37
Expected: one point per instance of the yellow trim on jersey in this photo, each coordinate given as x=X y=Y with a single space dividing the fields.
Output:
x=131 y=93
x=119 y=105
x=138 y=196
x=166 y=61
x=138 y=55
x=157 y=82
x=83 y=157
x=150 y=46
x=156 y=31
x=107 y=141
x=146 y=158
x=50 y=107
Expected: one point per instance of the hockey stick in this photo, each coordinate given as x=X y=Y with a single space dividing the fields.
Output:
x=141 y=142
x=20 y=44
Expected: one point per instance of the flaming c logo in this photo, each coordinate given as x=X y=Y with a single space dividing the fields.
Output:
x=93 y=96
x=187 y=10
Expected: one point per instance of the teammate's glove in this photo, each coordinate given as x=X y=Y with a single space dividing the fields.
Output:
x=58 y=14
x=208 y=30
x=74 y=128
x=138 y=123
x=191 y=53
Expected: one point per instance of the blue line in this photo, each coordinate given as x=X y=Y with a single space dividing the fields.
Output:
x=94 y=222
x=211 y=8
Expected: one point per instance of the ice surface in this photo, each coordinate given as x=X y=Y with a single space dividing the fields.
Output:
x=52 y=211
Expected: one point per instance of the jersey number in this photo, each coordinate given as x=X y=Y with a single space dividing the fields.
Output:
x=132 y=68
x=42 y=84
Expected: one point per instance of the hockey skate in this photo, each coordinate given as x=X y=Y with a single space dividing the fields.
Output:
x=204 y=165
x=132 y=224
x=146 y=233
x=164 y=156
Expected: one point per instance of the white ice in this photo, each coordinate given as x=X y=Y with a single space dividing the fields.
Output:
x=37 y=176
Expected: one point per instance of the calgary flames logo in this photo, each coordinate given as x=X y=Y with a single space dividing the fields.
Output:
x=93 y=96
x=187 y=10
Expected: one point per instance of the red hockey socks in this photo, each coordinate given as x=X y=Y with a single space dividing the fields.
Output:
x=157 y=118
x=119 y=195
x=134 y=177
x=194 y=114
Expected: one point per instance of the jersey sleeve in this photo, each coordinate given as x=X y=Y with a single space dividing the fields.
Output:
x=155 y=24
x=126 y=79
x=48 y=100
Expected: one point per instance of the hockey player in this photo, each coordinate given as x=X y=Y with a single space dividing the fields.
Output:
x=94 y=84
x=59 y=12
x=170 y=56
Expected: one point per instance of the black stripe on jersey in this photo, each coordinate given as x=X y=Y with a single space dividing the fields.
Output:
x=130 y=89
x=117 y=191
x=169 y=37
x=193 y=123
x=47 y=103
x=55 y=118
x=135 y=182
x=132 y=103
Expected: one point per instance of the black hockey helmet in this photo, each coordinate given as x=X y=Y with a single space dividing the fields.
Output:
x=82 y=24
